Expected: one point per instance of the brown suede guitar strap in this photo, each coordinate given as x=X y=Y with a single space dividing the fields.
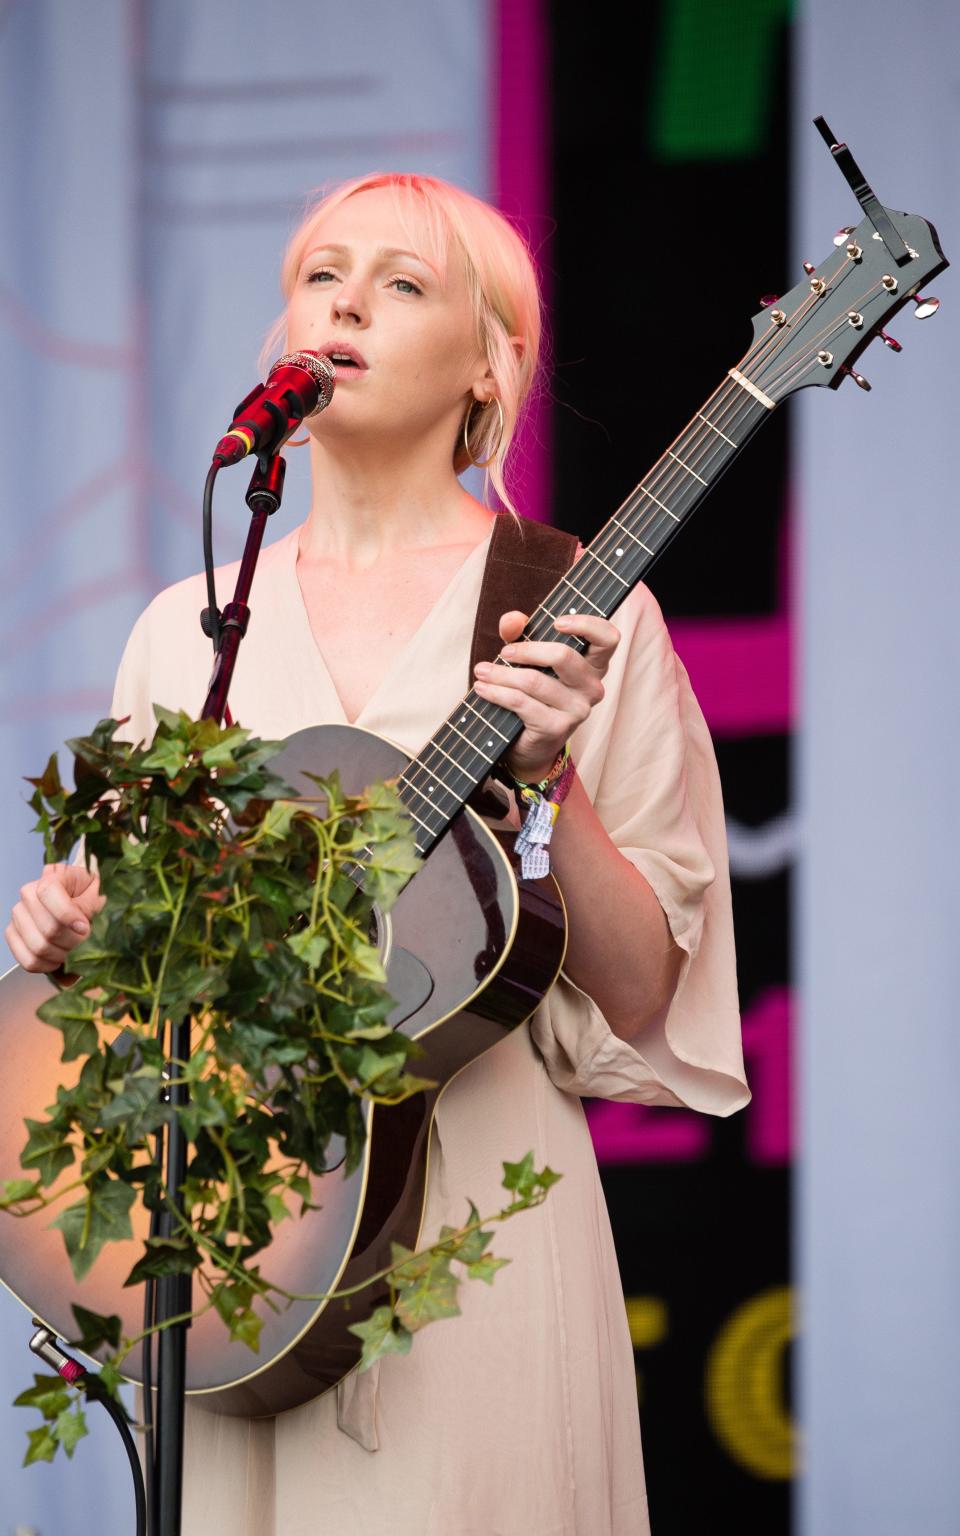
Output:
x=524 y=561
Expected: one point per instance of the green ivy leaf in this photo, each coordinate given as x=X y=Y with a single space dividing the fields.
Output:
x=95 y=1329
x=164 y=1256
x=47 y=1150
x=74 y=1014
x=309 y=945
x=278 y=1208
x=14 y=1190
x=221 y=753
x=473 y=1245
x=278 y=818
x=485 y=1268
x=42 y=1446
x=110 y=1379
x=136 y=1105
x=70 y=1427
x=49 y=782
x=245 y=1327
x=168 y=755
x=104 y=1216
x=203 y=1108
x=521 y=1176
x=49 y=1395
x=429 y=1295
x=381 y=1334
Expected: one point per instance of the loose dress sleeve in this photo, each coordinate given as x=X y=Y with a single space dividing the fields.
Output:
x=647 y=762
x=167 y=658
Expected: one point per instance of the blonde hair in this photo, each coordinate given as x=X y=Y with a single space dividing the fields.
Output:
x=501 y=280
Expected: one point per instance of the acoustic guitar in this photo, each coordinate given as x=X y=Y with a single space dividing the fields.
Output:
x=470 y=948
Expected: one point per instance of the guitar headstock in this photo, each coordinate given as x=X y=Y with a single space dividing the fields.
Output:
x=816 y=332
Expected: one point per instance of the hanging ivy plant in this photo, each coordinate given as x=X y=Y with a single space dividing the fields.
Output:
x=230 y=902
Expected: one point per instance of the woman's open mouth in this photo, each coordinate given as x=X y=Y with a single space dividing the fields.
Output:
x=346 y=360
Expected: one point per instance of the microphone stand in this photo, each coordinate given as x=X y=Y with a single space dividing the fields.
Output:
x=174 y=1292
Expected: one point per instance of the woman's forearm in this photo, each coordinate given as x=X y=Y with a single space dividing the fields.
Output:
x=620 y=950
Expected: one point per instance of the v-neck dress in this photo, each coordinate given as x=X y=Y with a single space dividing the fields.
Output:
x=518 y=1418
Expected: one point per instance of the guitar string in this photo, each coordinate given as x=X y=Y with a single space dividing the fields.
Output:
x=484 y=709
x=784 y=377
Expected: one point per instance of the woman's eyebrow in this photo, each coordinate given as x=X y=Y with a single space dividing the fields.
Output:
x=384 y=253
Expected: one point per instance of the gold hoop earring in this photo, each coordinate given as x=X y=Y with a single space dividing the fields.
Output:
x=297 y=442
x=482 y=463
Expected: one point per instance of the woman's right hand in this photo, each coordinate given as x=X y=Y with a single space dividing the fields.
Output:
x=53 y=916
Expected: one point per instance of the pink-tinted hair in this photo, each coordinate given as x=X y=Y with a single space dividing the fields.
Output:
x=501 y=279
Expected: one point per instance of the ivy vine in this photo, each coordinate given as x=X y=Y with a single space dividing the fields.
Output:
x=230 y=901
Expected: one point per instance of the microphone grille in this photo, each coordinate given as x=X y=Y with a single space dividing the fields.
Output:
x=320 y=369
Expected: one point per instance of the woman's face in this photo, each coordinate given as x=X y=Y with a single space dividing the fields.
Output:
x=361 y=286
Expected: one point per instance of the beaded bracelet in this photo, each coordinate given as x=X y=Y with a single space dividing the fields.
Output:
x=543 y=803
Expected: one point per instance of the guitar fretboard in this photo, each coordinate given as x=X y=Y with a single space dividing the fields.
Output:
x=459 y=755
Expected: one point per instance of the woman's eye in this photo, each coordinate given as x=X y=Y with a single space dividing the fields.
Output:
x=321 y=272
x=406 y=284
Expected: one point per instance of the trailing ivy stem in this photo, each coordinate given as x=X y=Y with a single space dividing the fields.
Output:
x=161 y=975
x=146 y=1333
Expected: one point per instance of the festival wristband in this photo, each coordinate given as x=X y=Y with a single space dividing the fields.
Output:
x=543 y=803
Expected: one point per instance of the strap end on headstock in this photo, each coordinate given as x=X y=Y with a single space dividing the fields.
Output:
x=863 y=192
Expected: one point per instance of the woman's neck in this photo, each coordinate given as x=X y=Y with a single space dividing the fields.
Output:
x=367 y=507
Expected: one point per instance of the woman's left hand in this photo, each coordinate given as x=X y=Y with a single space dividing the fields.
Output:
x=551 y=708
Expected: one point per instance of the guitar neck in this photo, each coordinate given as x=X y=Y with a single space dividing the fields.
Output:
x=459 y=755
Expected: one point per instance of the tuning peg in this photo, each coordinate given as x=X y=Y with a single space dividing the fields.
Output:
x=840 y=238
x=891 y=342
x=809 y=268
x=857 y=378
x=768 y=299
x=925 y=307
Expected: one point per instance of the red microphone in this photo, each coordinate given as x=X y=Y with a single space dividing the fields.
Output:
x=298 y=385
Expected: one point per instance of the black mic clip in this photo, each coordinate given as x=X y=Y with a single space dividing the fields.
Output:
x=207 y=625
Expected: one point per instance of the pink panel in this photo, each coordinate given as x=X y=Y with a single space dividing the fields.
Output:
x=634 y=1133
x=740 y=671
x=520 y=181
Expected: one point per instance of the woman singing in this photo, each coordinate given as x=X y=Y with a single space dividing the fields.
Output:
x=520 y=1416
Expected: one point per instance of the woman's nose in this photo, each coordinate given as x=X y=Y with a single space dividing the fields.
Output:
x=349 y=303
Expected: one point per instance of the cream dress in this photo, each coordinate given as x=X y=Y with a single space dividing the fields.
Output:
x=518 y=1418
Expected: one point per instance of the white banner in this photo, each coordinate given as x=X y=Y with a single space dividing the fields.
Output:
x=879 y=1215
x=156 y=156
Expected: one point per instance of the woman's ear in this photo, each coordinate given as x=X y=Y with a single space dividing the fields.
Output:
x=485 y=387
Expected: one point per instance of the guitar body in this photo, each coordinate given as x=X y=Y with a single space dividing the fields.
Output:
x=470 y=950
